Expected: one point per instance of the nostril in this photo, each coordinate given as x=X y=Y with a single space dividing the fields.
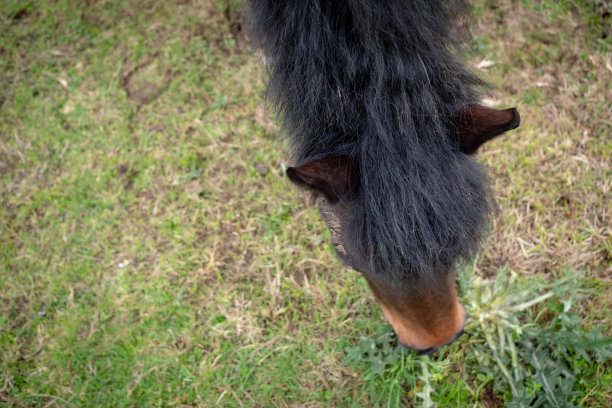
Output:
x=421 y=352
x=428 y=351
x=431 y=350
x=459 y=334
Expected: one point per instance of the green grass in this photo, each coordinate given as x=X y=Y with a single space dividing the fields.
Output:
x=153 y=254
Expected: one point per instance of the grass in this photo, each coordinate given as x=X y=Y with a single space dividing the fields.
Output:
x=153 y=254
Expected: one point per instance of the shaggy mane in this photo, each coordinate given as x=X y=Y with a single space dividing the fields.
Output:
x=377 y=81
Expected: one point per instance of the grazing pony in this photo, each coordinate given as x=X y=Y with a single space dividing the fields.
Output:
x=383 y=119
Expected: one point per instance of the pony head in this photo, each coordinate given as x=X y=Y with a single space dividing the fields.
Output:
x=421 y=306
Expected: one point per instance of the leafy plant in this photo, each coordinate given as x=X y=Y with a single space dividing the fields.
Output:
x=536 y=356
x=400 y=372
x=528 y=343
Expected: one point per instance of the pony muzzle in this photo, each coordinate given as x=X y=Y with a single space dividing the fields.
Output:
x=431 y=350
x=425 y=320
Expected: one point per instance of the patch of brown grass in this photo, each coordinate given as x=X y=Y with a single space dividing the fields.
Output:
x=551 y=176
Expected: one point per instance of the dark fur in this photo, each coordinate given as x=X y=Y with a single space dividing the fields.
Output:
x=378 y=80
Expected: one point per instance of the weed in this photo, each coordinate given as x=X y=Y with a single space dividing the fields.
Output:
x=530 y=357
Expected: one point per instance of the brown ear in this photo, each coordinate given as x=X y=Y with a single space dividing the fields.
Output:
x=476 y=124
x=332 y=176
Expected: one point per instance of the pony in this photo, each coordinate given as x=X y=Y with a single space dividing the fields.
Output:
x=383 y=119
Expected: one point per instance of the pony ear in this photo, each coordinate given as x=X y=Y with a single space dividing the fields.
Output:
x=332 y=176
x=476 y=124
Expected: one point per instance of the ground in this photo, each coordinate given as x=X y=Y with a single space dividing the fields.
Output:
x=152 y=252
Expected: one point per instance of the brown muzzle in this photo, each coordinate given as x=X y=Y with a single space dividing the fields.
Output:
x=423 y=319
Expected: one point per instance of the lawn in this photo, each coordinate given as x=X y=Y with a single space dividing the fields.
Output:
x=153 y=253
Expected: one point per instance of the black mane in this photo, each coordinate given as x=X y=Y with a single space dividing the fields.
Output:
x=377 y=81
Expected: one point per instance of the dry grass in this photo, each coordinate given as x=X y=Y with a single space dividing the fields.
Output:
x=553 y=176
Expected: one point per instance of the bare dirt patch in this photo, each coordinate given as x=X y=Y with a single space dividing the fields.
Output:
x=146 y=81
